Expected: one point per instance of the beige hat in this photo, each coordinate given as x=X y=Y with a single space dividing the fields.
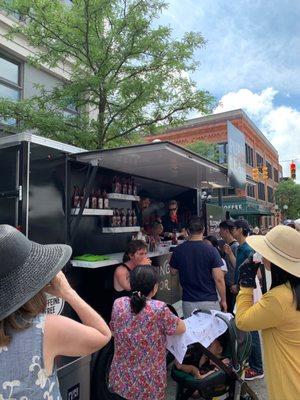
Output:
x=281 y=246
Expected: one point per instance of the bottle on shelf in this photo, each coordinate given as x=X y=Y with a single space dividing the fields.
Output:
x=105 y=199
x=76 y=197
x=134 y=218
x=112 y=219
x=134 y=187
x=116 y=185
x=129 y=217
x=94 y=200
x=118 y=217
x=99 y=199
x=87 y=202
x=129 y=186
x=124 y=186
x=123 y=217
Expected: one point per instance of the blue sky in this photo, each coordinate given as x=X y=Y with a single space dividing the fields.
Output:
x=251 y=61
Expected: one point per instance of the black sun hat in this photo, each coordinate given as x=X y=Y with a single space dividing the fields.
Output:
x=26 y=267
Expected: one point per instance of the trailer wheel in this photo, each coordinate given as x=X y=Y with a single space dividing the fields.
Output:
x=101 y=373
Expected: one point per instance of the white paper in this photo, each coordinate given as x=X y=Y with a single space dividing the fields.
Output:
x=203 y=328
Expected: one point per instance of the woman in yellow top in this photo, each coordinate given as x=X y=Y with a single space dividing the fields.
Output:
x=277 y=314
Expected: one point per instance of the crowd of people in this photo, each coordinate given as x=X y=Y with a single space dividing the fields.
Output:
x=215 y=274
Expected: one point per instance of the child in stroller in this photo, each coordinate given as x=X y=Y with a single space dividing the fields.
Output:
x=217 y=370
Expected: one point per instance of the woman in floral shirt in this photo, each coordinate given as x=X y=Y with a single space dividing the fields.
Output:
x=140 y=326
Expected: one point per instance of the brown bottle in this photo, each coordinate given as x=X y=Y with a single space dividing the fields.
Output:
x=94 y=199
x=76 y=197
x=124 y=187
x=129 y=186
x=87 y=202
x=123 y=217
x=129 y=217
x=118 y=218
x=174 y=238
x=99 y=200
x=134 y=218
x=134 y=187
x=105 y=200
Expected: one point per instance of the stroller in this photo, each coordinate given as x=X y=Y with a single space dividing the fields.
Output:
x=225 y=381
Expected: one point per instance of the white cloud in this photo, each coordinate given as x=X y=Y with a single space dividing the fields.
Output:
x=256 y=103
x=281 y=125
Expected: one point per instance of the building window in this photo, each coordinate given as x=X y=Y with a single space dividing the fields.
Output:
x=10 y=84
x=222 y=153
x=261 y=191
x=224 y=191
x=270 y=194
x=270 y=170
x=250 y=191
x=259 y=161
x=249 y=155
x=276 y=175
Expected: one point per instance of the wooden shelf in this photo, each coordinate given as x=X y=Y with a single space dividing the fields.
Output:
x=120 y=196
x=124 y=229
x=93 y=211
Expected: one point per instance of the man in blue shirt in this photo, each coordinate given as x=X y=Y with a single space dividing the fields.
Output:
x=240 y=232
x=200 y=274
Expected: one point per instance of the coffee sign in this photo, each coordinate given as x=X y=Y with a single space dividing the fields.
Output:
x=55 y=305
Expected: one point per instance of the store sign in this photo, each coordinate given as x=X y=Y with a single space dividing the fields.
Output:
x=236 y=157
x=233 y=206
x=55 y=305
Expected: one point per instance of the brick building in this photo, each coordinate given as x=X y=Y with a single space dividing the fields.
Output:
x=256 y=202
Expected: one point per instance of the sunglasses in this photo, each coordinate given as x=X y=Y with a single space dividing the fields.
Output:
x=172 y=209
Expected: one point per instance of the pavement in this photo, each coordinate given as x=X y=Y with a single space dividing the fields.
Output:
x=258 y=386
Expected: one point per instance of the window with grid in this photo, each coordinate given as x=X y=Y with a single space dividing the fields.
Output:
x=261 y=191
x=10 y=84
x=276 y=175
x=259 y=161
x=270 y=170
x=250 y=191
x=249 y=155
x=222 y=152
x=270 y=194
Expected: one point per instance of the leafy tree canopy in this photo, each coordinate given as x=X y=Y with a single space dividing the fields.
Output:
x=288 y=193
x=207 y=150
x=128 y=75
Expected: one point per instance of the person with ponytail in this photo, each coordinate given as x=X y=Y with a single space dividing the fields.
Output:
x=140 y=325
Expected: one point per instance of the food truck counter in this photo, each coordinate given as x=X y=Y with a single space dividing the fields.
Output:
x=116 y=258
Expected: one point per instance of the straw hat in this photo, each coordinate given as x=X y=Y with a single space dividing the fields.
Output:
x=25 y=268
x=281 y=246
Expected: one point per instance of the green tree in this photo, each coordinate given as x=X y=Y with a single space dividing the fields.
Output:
x=288 y=193
x=207 y=150
x=126 y=69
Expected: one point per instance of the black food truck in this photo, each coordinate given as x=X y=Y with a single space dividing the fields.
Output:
x=57 y=193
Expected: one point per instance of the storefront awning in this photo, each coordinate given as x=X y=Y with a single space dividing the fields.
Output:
x=162 y=161
x=245 y=207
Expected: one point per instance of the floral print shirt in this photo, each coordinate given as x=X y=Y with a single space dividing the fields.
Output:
x=138 y=370
x=22 y=373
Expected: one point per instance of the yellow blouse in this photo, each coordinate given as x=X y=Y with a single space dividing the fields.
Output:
x=276 y=316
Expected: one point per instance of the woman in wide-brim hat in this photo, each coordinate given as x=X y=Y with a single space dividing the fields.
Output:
x=277 y=314
x=29 y=339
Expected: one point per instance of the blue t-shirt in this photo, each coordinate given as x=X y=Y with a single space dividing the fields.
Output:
x=195 y=261
x=243 y=252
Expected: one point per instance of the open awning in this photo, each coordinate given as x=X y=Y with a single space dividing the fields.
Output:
x=162 y=161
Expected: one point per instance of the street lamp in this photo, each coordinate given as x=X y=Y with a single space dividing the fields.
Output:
x=205 y=197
